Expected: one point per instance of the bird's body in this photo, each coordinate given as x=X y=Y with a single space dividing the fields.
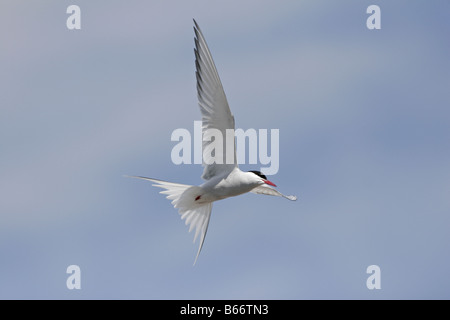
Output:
x=232 y=184
x=223 y=177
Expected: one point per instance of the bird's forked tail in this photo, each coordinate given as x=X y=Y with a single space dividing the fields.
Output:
x=183 y=198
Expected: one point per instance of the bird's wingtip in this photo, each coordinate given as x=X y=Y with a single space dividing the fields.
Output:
x=128 y=176
x=292 y=198
x=195 y=23
x=138 y=177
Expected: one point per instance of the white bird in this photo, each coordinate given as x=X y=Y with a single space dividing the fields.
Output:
x=223 y=180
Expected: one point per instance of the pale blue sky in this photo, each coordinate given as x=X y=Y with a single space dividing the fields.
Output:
x=364 y=124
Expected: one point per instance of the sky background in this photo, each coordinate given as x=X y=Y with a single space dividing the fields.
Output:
x=364 y=120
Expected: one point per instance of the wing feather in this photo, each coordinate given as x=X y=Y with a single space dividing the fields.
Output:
x=214 y=108
x=268 y=190
x=195 y=215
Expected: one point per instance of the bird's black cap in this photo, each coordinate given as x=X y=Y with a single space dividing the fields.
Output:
x=258 y=173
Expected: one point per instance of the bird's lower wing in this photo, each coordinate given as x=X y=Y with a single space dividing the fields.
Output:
x=183 y=198
x=267 y=190
x=198 y=218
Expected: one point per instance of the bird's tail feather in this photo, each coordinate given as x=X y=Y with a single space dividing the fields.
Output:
x=183 y=198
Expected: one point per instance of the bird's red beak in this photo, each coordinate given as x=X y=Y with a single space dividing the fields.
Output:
x=269 y=183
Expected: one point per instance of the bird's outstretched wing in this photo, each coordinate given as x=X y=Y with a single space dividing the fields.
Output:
x=216 y=114
x=199 y=218
x=267 y=190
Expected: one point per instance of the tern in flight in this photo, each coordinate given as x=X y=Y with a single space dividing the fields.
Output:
x=223 y=178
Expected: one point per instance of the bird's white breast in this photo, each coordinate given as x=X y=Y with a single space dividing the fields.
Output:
x=234 y=184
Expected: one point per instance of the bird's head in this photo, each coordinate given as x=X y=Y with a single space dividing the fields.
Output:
x=262 y=178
